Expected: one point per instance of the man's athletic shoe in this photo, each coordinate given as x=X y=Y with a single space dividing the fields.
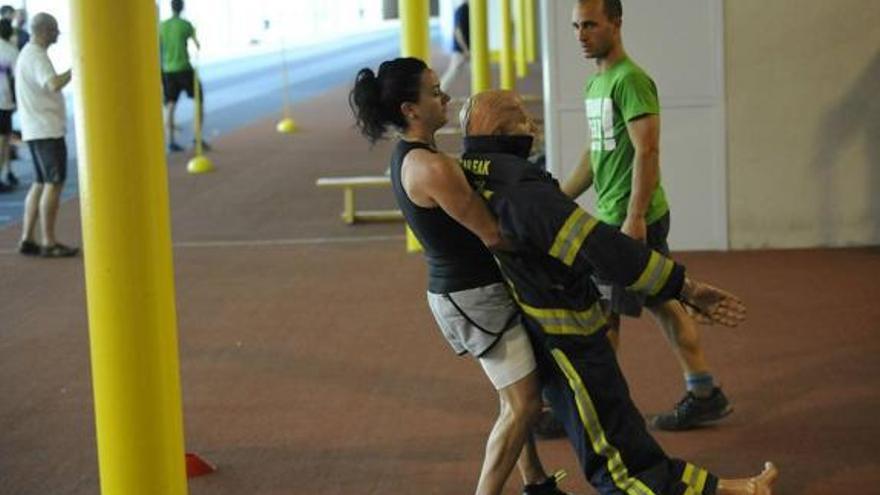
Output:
x=174 y=147
x=29 y=248
x=548 y=487
x=692 y=411
x=58 y=250
x=11 y=179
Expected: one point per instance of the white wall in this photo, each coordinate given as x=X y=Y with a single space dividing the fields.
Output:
x=680 y=43
x=803 y=83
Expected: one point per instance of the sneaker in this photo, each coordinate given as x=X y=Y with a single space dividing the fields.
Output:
x=11 y=179
x=174 y=147
x=692 y=411
x=547 y=426
x=29 y=248
x=548 y=487
x=58 y=250
x=4 y=187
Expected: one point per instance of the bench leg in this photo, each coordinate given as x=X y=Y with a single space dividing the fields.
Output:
x=348 y=205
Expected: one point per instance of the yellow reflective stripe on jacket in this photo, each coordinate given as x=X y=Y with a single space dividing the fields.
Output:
x=487 y=194
x=695 y=478
x=598 y=440
x=560 y=321
x=655 y=275
x=572 y=235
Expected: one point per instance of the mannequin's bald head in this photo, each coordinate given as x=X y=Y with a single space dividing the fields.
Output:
x=496 y=112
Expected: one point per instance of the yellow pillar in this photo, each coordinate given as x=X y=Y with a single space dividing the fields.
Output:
x=127 y=248
x=530 y=31
x=508 y=73
x=415 y=42
x=481 y=76
x=415 y=31
x=522 y=68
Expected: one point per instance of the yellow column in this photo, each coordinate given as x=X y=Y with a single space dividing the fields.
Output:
x=481 y=76
x=415 y=42
x=508 y=74
x=522 y=68
x=127 y=248
x=530 y=31
x=415 y=32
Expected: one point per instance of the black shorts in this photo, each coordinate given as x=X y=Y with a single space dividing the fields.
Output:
x=624 y=302
x=6 y=122
x=174 y=83
x=50 y=160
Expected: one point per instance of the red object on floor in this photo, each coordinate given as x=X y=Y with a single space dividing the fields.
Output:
x=196 y=466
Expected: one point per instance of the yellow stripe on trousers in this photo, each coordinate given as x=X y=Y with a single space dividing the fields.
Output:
x=695 y=478
x=587 y=411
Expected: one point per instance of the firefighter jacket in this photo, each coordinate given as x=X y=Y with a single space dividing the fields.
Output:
x=556 y=246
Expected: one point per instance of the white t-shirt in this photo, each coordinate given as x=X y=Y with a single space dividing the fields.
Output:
x=8 y=55
x=40 y=109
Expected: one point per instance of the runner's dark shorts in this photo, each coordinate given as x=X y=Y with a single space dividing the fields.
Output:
x=50 y=160
x=5 y=122
x=624 y=302
x=174 y=83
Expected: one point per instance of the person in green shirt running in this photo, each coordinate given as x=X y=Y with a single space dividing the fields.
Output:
x=621 y=162
x=177 y=72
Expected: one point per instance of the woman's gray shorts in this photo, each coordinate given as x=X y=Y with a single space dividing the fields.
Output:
x=485 y=322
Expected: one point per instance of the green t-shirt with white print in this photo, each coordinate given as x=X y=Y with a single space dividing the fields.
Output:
x=622 y=93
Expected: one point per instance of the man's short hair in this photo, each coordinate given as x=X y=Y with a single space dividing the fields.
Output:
x=42 y=22
x=6 y=10
x=6 y=29
x=177 y=6
x=613 y=8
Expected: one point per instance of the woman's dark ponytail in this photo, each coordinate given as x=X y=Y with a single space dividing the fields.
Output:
x=366 y=105
x=375 y=99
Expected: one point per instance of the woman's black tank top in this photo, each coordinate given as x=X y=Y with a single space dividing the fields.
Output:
x=457 y=259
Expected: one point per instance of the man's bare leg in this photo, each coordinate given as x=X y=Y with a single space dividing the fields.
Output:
x=31 y=211
x=704 y=401
x=169 y=122
x=4 y=156
x=761 y=484
x=683 y=335
x=520 y=406
x=49 y=201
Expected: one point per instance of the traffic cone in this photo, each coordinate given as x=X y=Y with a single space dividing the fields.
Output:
x=196 y=466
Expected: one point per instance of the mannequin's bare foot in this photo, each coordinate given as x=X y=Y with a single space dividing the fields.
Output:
x=761 y=484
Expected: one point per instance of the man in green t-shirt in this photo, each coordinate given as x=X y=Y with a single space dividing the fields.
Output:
x=177 y=73
x=621 y=162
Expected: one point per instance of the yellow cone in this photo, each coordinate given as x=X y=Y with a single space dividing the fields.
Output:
x=286 y=126
x=199 y=165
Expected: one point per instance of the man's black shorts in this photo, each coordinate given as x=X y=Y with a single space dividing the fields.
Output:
x=50 y=160
x=624 y=302
x=5 y=122
x=174 y=83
